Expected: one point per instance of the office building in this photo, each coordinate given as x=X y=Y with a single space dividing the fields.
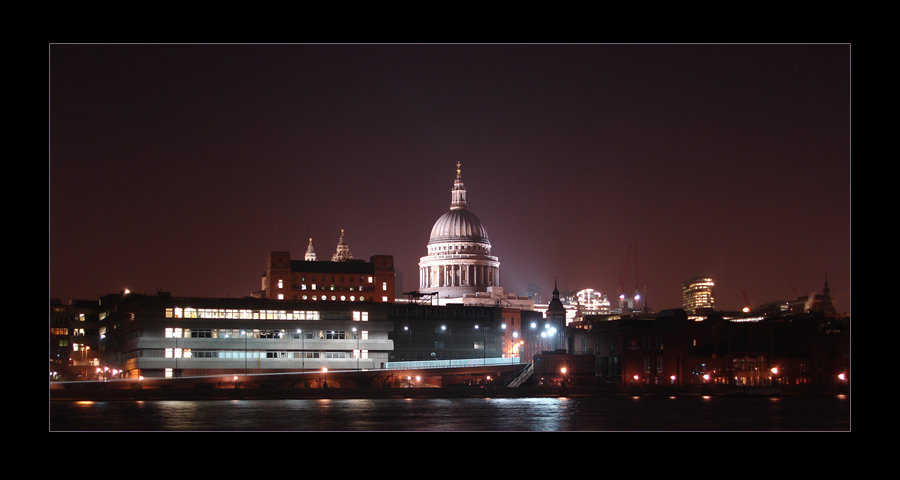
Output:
x=73 y=339
x=165 y=336
x=697 y=295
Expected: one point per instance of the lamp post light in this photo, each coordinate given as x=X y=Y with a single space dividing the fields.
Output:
x=358 y=351
x=409 y=337
x=245 y=350
x=175 y=350
x=449 y=343
x=84 y=351
x=324 y=377
x=484 y=344
x=302 y=350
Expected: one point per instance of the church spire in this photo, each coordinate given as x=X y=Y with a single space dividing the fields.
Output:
x=342 y=254
x=458 y=194
x=310 y=252
x=555 y=307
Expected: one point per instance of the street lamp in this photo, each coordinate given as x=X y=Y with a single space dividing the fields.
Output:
x=84 y=349
x=449 y=343
x=409 y=336
x=484 y=344
x=245 y=351
x=302 y=350
x=358 y=351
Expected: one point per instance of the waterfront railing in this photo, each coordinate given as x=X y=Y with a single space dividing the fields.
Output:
x=462 y=362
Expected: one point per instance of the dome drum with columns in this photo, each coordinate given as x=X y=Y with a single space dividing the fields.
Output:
x=459 y=260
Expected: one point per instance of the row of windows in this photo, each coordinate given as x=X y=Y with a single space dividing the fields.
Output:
x=285 y=354
x=312 y=286
x=312 y=278
x=264 y=333
x=303 y=286
x=75 y=318
x=648 y=364
x=343 y=298
x=246 y=314
x=443 y=346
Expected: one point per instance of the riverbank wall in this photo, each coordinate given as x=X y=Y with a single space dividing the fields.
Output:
x=150 y=394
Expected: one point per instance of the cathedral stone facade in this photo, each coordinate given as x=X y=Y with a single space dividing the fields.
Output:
x=459 y=260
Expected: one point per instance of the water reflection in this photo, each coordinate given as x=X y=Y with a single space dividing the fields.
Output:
x=663 y=413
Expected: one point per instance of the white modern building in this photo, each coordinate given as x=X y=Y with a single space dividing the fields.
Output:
x=165 y=336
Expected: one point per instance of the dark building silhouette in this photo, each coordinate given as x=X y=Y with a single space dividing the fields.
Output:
x=670 y=349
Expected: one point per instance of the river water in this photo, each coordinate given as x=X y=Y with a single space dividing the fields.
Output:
x=646 y=413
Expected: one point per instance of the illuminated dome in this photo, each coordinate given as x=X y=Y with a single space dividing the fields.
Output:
x=458 y=225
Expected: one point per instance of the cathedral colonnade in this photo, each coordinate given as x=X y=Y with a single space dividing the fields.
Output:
x=463 y=274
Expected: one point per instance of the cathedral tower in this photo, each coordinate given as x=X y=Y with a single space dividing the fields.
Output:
x=459 y=257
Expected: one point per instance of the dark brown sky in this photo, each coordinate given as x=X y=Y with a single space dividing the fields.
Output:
x=180 y=167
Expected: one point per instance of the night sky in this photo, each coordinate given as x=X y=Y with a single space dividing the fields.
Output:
x=180 y=167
